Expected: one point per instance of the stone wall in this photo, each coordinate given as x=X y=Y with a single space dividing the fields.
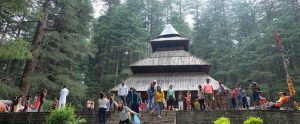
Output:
x=180 y=117
x=39 y=117
x=238 y=117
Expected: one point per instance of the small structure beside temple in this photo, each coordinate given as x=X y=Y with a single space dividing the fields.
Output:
x=170 y=63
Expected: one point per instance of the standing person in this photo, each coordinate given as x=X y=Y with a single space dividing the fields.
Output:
x=188 y=100
x=123 y=92
x=27 y=104
x=221 y=95
x=63 y=97
x=255 y=93
x=239 y=99
x=135 y=101
x=41 y=99
x=89 y=104
x=129 y=97
x=180 y=101
x=233 y=95
x=248 y=100
x=102 y=102
x=151 y=97
x=170 y=97
x=18 y=104
x=201 y=97
x=123 y=111
x=244 y=99
x=55 y=103
x=208 y=93
x=108 y=96
x=159 y=98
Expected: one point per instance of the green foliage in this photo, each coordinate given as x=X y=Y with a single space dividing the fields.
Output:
x=7 y=92
x=237 y=38
x=253 y=120
x=16 y=49
x=64 y=54
x=222 y=120
x=47 y=105
x=64 y=116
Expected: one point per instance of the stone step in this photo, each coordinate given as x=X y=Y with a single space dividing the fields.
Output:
x=146 y=118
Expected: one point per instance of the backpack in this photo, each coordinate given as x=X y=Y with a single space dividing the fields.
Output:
x=137 y=100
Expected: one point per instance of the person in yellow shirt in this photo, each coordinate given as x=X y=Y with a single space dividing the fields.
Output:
x=159 y=98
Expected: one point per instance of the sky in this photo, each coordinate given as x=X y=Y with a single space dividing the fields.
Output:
x=99 y=9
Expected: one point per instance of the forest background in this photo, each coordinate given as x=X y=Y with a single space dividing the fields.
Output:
x=51 y=43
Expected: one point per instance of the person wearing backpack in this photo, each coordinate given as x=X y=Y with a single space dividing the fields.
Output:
x=135 y=101
x=254 y=87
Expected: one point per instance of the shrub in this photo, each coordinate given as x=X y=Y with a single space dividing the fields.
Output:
x=64 y=116
x=47 y=105
x=222 y=120
x=253 y=120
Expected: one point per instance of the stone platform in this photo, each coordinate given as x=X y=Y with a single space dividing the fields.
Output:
x=168 y=117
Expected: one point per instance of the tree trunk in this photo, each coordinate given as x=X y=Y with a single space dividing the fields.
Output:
x=36 y=44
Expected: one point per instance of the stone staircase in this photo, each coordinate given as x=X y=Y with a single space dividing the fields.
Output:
x=168 y=117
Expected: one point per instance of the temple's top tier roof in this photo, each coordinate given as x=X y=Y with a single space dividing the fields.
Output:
x=168 y=40
x=170 y=54
x=169 y=31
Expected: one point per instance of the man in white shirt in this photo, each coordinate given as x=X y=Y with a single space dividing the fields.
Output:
x=63 y=97
x=123 y=92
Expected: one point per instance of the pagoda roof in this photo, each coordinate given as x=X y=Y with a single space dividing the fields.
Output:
x=169 y=31
x=170 y=61
x=180 y=81
x=169 y=39
x=174 y=58
x=176 y=38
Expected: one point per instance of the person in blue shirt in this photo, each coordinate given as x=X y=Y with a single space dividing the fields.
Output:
x=151 y=97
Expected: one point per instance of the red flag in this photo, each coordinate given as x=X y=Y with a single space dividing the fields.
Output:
x=278 y=41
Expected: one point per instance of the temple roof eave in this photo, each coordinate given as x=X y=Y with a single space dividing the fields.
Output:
x=180 y=81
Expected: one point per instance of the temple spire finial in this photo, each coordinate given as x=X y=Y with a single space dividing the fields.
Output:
x=169 y=31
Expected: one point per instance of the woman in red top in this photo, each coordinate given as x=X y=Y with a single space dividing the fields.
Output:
x=188 y=100
x=233 y=95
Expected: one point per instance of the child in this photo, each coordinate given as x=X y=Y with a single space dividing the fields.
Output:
x=262 y=100
x=268 y=104
x=244 y=99
x=142 y=106
x=197 y=105
x=180 y=101
x=188 y=100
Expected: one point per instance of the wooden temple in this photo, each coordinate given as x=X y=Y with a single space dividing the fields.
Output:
x=170 y=63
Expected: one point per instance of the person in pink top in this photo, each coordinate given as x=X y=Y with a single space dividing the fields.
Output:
x=233 y=95
x=188 y=100
x=208 y=93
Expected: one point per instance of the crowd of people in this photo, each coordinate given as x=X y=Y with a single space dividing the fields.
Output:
x=26 y=104
x=206 y=98
x=129 y=102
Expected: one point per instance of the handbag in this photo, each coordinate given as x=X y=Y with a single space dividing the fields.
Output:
x=136 y=119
